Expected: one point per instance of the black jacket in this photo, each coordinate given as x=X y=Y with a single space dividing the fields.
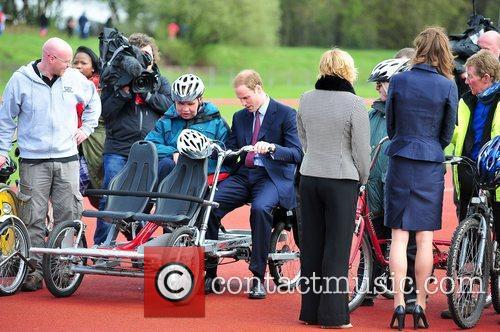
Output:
x=126 y=122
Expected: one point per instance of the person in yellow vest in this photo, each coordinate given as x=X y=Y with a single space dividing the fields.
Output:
x=478 y=122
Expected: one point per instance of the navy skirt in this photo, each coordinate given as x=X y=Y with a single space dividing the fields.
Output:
x=414 y=194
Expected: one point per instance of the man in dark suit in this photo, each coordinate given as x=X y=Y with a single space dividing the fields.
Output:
x=263 y=178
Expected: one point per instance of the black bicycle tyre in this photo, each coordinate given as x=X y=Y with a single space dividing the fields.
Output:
x=19 y=230
x=366 y=255
x=184 y=231
x=274 y=266
x=463 y=228
x=495 y=292
x=47 y=261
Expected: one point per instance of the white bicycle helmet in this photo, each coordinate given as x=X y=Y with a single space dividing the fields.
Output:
x=384 y=70
x=188 y=87
x=193 y=144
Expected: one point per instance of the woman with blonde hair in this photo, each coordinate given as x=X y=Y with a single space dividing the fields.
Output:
x=335 y=134
x=421 y=111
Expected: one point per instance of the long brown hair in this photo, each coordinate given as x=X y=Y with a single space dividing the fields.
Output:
x=433 y=48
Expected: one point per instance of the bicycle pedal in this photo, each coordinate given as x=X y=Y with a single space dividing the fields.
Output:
x=242 y=254
x=32 y=264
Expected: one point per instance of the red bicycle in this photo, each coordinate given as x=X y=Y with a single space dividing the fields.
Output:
x=367 y=249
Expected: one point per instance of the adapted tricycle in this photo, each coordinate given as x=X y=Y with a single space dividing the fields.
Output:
x=180 y=204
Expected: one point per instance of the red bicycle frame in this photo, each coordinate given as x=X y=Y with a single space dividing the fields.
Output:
x=363 y=223
x=147 y=231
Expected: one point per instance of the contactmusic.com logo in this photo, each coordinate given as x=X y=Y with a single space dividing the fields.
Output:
x=174 y=282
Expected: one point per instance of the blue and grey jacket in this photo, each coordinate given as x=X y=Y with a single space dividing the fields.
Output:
x=45 y=117
x=167 y=129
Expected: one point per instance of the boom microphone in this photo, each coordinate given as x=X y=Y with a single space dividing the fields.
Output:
x=131 y=65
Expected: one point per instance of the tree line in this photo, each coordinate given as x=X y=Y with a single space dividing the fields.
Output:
x=324 y=23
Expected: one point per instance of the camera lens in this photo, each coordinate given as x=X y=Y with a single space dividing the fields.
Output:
x=144 y=83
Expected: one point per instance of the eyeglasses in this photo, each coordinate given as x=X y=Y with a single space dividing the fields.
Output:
x=67 y=62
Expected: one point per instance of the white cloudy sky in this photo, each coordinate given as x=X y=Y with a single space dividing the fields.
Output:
x=95 y=10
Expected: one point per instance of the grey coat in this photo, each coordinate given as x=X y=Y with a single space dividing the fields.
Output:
x=334 y=131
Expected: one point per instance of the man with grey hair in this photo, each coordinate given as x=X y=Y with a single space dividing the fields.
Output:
x=490 y=40
x=40 y=101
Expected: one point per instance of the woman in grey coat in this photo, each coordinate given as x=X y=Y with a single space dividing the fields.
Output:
x=335 y=134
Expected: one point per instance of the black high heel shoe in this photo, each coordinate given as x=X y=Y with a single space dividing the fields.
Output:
x=419 y=316
x=399 y=313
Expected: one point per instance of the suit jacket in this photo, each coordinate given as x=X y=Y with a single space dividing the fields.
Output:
x=421 y=112
x=279 y=127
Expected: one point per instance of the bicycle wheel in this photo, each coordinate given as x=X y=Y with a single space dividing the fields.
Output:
x=181 y=237
x=360 y=272
x=495 y=279
x=285 y=272
x=467 y=284
x=13 y=238
x=495 y=292
x=61 y=281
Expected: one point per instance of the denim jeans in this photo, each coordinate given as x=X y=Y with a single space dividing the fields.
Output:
x=165 y=166
x=112 y=165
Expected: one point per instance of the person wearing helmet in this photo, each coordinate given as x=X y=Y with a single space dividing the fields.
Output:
x=380 y=75
x=188 y=111
x=128 y=118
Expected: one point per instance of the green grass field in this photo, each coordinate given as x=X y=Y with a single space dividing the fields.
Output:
x=287 y=72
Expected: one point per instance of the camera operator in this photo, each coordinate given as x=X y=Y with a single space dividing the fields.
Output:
x=129 y=116
x=480 y=34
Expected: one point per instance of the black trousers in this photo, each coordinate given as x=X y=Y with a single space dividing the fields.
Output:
x=328 y=208
x=256 y=187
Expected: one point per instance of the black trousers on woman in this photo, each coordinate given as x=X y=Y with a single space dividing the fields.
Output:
x=328 y=208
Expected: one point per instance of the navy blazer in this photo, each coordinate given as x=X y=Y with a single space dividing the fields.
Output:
x=279 y=127
x=421 y=112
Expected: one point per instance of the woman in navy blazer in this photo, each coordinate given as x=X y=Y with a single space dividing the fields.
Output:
x=421 y=112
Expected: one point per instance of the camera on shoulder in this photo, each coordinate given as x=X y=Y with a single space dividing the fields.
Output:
x=145 y=82
x=124 y=64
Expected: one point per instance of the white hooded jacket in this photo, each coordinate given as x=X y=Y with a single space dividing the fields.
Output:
x=46 y=116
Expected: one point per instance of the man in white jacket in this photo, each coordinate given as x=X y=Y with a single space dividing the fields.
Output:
x=42 y=96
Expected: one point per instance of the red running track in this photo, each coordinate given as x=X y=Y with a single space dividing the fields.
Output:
x=114 y=303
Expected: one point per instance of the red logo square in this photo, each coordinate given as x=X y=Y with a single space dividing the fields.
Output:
x=174 y=282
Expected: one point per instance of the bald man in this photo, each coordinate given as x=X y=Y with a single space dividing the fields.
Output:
x=490 y=41
x=40 y=101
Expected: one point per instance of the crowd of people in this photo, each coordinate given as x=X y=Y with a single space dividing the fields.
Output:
x=73 y=135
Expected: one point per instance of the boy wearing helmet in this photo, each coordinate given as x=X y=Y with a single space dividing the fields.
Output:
x=380 y=75
x=189 y=111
